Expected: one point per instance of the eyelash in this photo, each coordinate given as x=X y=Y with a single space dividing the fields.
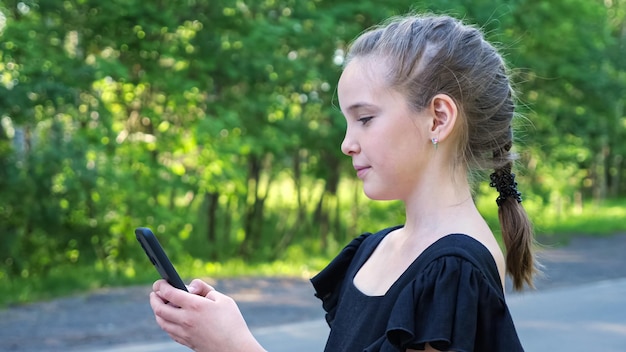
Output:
x=365 y=120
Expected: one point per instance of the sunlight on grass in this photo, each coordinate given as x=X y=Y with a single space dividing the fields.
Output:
x=304 y=268
x=305 y=258
x=68 y=280
x=606 y=218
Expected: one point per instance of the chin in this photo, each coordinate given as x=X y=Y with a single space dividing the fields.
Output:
x=378 y=194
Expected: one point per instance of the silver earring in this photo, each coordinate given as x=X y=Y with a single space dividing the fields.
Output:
x=435 y=141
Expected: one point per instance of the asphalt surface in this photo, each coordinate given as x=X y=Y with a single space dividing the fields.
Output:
x=579 y=305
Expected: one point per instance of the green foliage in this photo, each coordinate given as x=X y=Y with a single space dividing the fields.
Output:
x=214 y=122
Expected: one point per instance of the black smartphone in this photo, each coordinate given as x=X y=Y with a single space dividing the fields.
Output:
x=157 y=256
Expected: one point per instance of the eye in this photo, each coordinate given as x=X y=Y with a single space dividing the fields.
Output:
x=365 y=120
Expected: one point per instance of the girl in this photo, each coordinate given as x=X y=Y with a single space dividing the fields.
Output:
x=427 y=101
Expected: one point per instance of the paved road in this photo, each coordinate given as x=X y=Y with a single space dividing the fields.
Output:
x=590 y=317
x=580 y=305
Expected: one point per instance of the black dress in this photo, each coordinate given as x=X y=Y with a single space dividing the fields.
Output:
x=451 y=297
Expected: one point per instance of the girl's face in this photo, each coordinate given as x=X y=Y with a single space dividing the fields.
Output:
x=387 y=140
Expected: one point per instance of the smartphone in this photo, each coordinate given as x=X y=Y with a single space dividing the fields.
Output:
x=157 y=256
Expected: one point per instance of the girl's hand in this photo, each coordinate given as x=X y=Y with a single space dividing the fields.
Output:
x=201 y=319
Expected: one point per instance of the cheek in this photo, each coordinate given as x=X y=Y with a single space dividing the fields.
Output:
x=406 y=156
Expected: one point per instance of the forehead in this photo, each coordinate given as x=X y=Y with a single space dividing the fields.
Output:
x=364 y=82
x=361 y=79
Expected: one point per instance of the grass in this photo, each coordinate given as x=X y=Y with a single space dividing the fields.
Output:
x=76 y=279
x=590 y=220
x=606 y=219
x=62 y=281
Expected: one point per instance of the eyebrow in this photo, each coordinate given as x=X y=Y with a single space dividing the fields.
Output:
x=359 y=105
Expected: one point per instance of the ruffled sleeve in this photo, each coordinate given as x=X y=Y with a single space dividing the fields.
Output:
x=452 y=306
x=327 y=283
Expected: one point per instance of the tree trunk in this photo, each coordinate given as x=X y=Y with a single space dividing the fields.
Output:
x=212 y=201
x=255 y=205
x=616 y=176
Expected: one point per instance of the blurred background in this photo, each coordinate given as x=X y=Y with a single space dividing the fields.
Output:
x=215 y=123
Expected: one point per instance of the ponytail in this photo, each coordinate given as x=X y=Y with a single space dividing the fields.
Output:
x=516 y=227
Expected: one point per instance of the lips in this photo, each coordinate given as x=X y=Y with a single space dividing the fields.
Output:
x=361 y=171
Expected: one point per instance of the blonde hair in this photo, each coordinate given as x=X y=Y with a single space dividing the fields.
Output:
x=430 y=55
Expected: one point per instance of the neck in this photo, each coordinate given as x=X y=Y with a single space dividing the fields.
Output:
x=440 y=206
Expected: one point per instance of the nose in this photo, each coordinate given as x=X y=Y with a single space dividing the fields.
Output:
x=350 y=146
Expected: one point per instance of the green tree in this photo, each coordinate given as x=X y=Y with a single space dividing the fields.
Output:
x=215 y=122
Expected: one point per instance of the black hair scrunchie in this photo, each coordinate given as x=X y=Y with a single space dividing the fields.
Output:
x=505 y=184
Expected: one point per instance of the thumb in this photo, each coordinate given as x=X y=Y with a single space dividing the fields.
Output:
x=192 y=288
x=199 y=287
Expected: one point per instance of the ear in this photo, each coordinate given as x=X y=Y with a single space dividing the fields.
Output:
x=444 y=114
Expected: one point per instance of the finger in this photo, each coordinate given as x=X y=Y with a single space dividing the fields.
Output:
x=200 y=287
x=171 y=294
x=215 y=296
x=175 y=331
x=165 y=310
x=180 y=341
x=156 y=286
x=168 y=326
x=157 y=299
x=157 y=303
